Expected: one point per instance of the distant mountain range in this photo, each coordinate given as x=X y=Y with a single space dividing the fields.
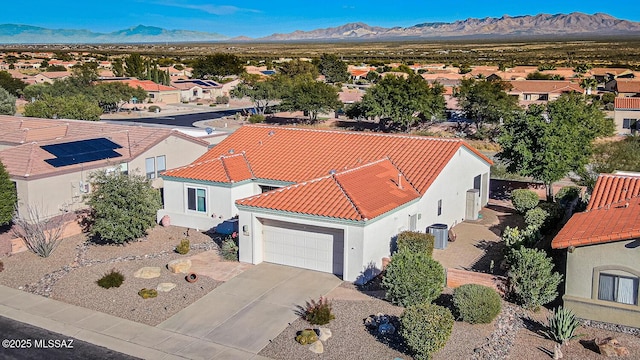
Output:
x=574 y=24
x=25 y=34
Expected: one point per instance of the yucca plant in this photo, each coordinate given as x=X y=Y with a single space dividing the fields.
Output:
x=562 y=325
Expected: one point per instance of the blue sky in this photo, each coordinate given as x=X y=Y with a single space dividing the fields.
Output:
x=262 y=18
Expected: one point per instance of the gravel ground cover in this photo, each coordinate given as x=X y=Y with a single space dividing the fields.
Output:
x=71 y=272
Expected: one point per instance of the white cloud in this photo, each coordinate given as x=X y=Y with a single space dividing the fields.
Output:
x=207 y=8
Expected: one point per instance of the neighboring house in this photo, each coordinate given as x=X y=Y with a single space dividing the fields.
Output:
x=603 y=267
x=350 y=95
x=627 y=115
x=627 y=88
x=155 y=92
x=51 y=76
x=191 y=90
x=331 y=201
x=50 y=160
x=541 y=91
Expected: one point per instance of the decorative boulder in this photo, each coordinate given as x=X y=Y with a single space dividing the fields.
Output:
x=317 y=347
x=307 y=336
x=165 y=287
x=147 y=272
x=324 y=334
x=179 y=266
x=611 y=347
x=165 y=221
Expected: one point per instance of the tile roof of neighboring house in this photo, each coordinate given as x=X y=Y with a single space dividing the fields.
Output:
x=358 y=194
x=146 y=85
x=613 y=214
x=224 y=169
x=55 y=74
x=188 y=84
x=632 y=103
x=628 y=86
x=544 y=86
x=296 y=155
x=349 y=96
x=359 y=72
x=27 y=159
x=605 y=71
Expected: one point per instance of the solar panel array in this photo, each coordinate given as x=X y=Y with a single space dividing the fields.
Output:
x=82 y=151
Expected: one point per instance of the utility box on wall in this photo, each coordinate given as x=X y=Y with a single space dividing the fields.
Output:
x=473 y=205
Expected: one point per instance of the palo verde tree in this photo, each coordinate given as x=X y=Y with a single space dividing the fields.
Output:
x=112 y=95
x=398 y=100
x=548 y=142
x=8 y=197
x=7 y=103
x=217 y=66
x=78 y=107
x=311 y=96
x=122 y=206
x=333 y=69
x=486 y=101
x=12 y=85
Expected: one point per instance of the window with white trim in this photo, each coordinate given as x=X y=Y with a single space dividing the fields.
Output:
x=629 y=123
x=161 y=163
x=150 y=167
x=620 y=289
x=197 y=199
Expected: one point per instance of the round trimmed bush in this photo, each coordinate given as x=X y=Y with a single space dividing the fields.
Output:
x=415 y=241
x=536 y=217
x=524 y=199
x=426 y=328
x=476 y=304
x=412 y=278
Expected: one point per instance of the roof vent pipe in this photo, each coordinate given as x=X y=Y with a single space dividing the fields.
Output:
x=400 y=181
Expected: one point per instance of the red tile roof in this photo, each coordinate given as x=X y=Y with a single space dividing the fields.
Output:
x=27 y=159
x=225 y=169
x=613 y=214
x=297 y=155
x=544 y=86
x=358 y=194
x=628 y=86
x=627 y=103
x=146 y=85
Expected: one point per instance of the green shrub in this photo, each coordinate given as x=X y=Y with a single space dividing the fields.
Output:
x=567 y=194
x=426 y=328
x=111 y=279
x=536 y=217
x=199 y=104
x=476 y=304
x=413 y=278
x=222 y=99
x=524 y=200
x=148 y=293
x=415 y=241
x=256 y=118
x=317 y=312
x=555 y=213
x=229 y=250
x=307 y=336
x=531 y=278
x=183 y=247
x=562 y=325
x=154 y=108
x=514 y=238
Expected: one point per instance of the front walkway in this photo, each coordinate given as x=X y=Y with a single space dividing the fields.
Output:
x=251 y=309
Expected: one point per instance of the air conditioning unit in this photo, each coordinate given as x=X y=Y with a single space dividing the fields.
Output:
x=84 y=187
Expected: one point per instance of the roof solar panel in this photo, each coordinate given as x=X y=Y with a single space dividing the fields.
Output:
x=82 y=151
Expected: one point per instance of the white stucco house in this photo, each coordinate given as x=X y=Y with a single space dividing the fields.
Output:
x=331 y=201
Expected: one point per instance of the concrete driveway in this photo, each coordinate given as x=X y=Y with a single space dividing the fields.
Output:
x=252 y=308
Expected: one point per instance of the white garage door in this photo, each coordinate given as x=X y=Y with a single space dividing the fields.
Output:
x=310 y=247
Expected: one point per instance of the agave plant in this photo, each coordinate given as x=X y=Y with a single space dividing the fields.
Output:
x=562 y=325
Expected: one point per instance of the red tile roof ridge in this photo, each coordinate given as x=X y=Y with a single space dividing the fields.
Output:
x=30 y=159
x=353 y=204
x=369 y=133
x=226 y=168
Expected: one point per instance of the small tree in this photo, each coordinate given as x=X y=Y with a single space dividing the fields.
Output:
x=413 y=278
x=8 y=197
x=7 y=103
x=476 y=304
x=123 y=207
x=531 y=277
x=426 y=328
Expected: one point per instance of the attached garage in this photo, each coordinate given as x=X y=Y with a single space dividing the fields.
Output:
x=305 y=246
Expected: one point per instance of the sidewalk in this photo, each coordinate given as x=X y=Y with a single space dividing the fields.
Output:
x=125 y=336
